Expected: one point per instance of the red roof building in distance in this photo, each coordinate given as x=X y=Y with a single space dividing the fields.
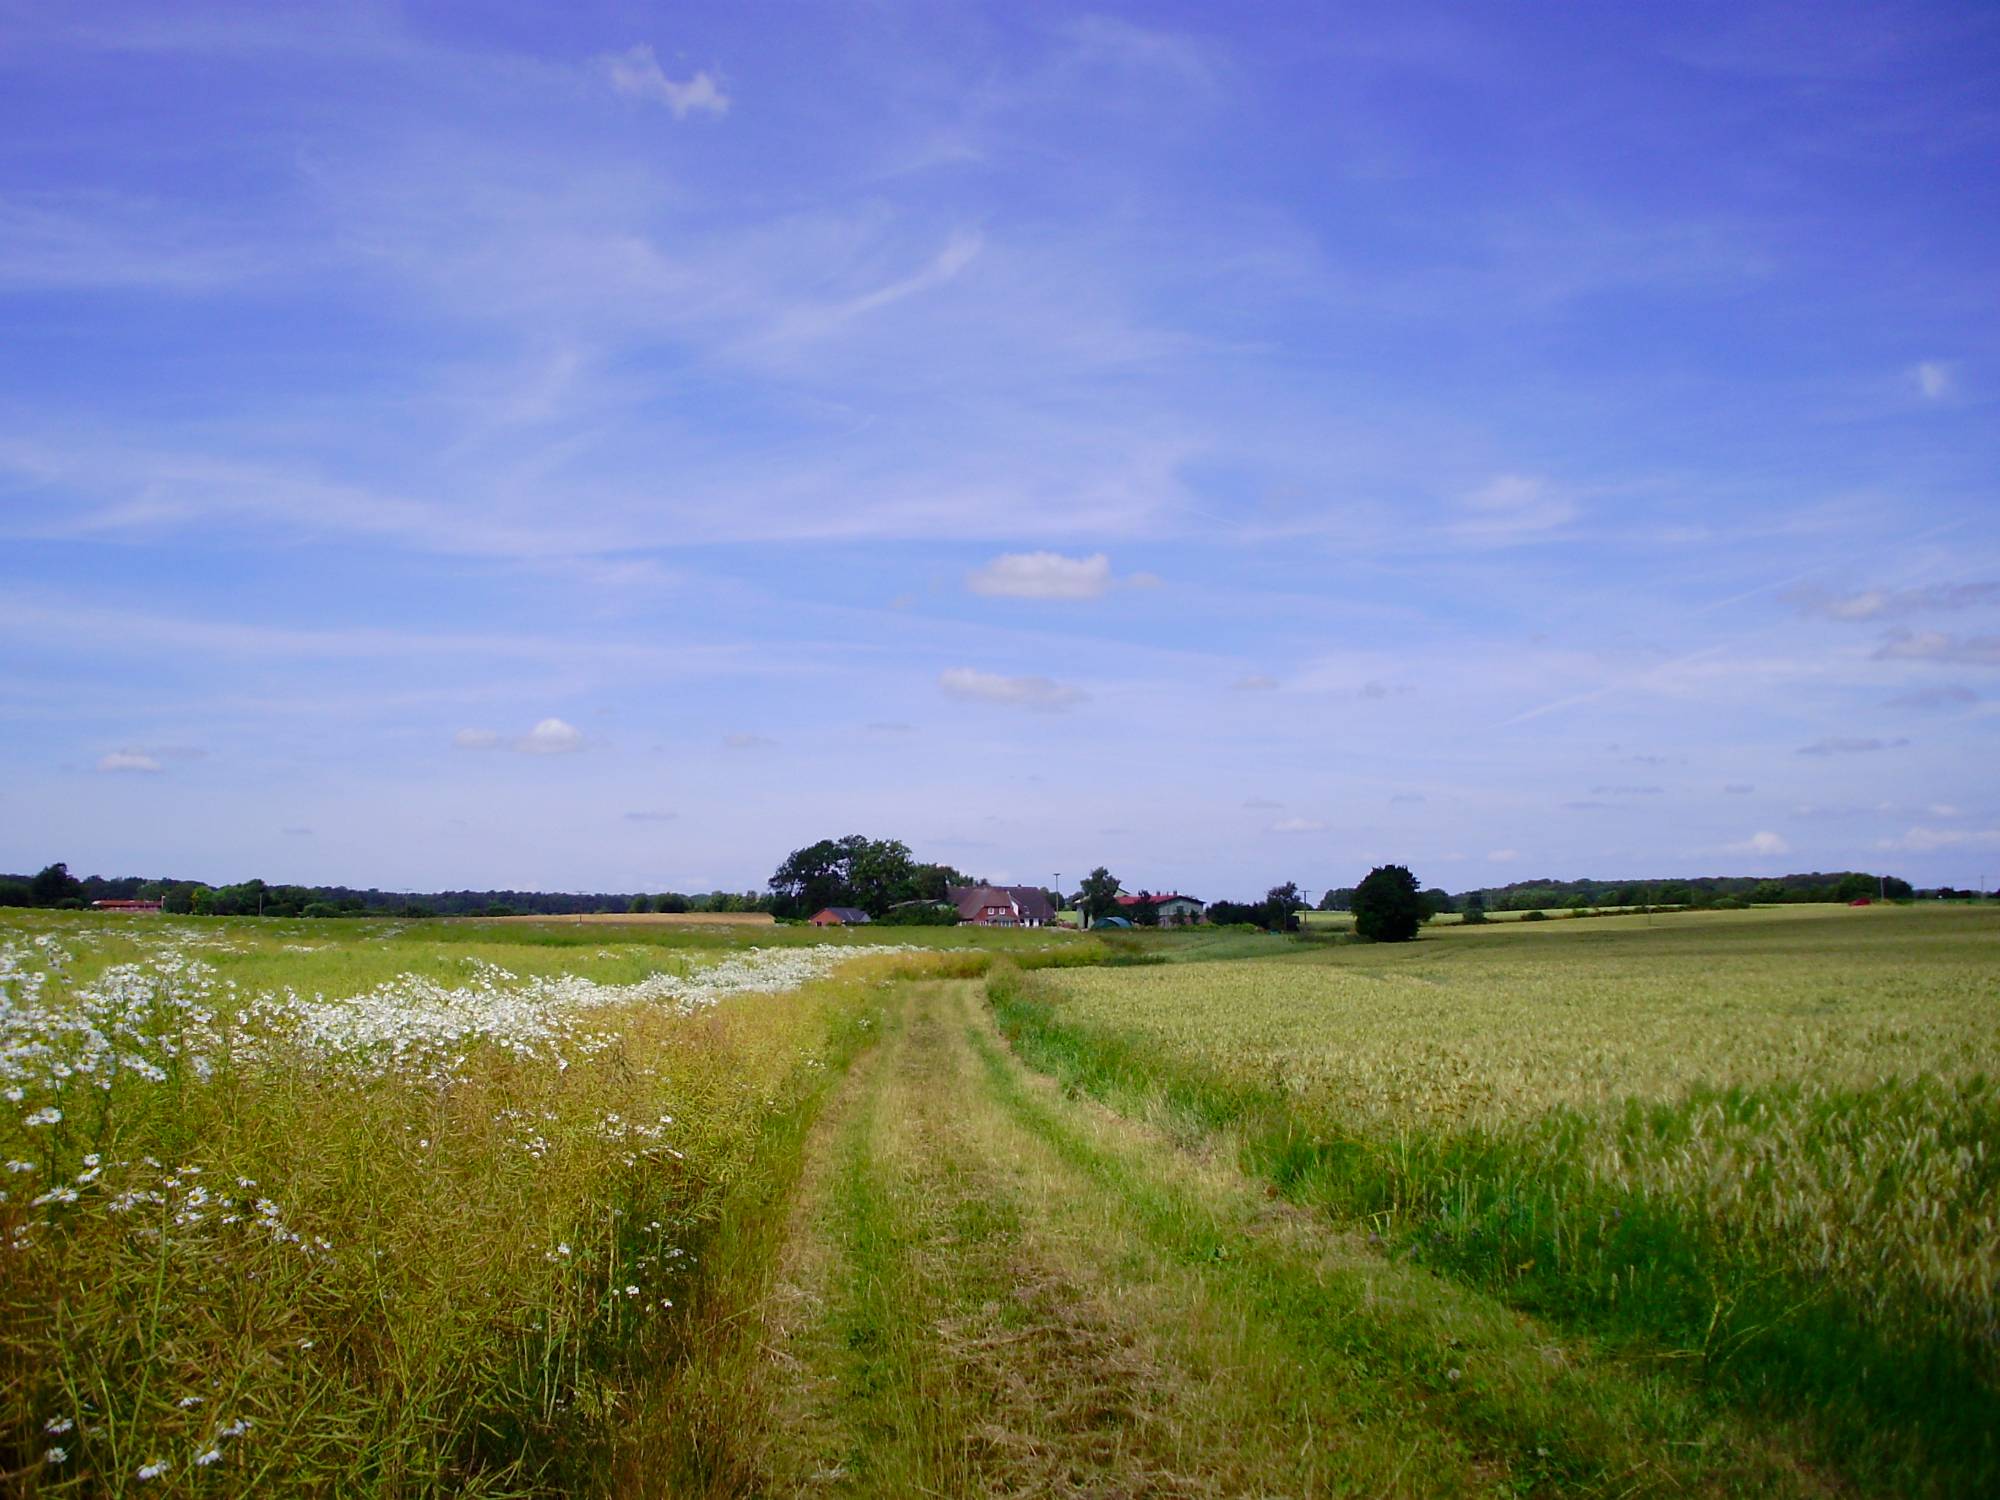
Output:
x=141 y=906
x=839 y=916
x=1001 y=905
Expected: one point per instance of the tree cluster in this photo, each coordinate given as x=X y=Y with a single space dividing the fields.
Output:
x=56 y=887
x=872 y=874
x=1578 y=895
x=1277 y=912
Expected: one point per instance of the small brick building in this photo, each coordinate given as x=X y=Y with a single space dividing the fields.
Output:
x=839 y=916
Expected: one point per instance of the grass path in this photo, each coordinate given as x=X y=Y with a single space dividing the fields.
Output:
x=986 y=1288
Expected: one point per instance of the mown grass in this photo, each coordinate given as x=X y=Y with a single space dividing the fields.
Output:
x=1810 y=1233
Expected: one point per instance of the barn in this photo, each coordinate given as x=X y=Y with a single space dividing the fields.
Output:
x=1175 y=909
x=839 y=916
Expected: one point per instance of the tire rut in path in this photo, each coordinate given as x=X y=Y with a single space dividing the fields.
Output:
x=965 y=1313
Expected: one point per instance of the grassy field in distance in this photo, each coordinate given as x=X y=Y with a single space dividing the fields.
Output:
x=646 y=919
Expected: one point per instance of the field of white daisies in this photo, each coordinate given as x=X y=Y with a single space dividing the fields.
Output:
x=364 y=1207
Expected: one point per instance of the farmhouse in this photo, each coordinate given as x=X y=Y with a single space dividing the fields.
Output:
x=1001 y=905
x=137 y=906
x=839 y=916
x=1174 y=908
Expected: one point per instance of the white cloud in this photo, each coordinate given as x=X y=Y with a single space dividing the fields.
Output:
x=1923 y=840
x=475 y=739
x=1760 y=843
x=129 y=760
x=1298 y=825
x=636 y=71
x=650 y=817
x=742 y=741
x=1503 y=856
x=550 y=737
x=1933 y=378
x=1512 y=508
x=1256 y=682
x=1042 y=575
x=1038 y=693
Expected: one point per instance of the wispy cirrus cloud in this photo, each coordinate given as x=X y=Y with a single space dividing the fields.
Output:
x=128 y=761
x=1510 y=510
x=1885 y=604
x=550 y=736
x=1933 y=645
x=1924 y=840
x=636 y=72
x=1041 y=694
x=1844 y=744
x=1947 y=695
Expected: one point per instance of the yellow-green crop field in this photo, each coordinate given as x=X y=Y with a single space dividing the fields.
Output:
x=364 y=1207
x=1767 y=1141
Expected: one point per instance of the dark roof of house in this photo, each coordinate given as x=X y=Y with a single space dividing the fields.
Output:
x=1029 y=901
x=844 y=913
x=1156 y=897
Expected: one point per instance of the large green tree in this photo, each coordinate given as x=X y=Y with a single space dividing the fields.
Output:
x=1280 y=907
x=873 y=874
x=1098 y=897
x=1389 y=906
x=55 y=883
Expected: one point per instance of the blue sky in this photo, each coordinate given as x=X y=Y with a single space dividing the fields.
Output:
x=607 y=446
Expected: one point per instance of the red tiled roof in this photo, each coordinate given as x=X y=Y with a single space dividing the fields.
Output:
x=971 y=900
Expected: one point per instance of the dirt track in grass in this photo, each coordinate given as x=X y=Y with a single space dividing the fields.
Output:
x=986 y=1288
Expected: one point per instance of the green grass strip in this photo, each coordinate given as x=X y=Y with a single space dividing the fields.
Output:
x=1911 y=1410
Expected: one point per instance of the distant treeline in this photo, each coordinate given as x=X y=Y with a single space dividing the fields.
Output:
x=56 y=887
x=879 y=875
x=1705 y=890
